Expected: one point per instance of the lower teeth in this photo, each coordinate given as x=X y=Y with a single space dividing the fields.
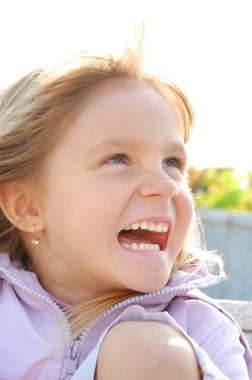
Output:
x=141 y=246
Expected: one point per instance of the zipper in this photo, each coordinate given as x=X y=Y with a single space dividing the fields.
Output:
x=43 y=297
x=71 y=359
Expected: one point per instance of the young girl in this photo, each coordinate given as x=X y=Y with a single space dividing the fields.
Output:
x=99 y=276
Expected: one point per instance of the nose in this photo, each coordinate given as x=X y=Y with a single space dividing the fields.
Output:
x=158 y=184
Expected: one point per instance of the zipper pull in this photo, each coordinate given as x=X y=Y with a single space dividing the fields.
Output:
x=72 y=359
x=74 y=350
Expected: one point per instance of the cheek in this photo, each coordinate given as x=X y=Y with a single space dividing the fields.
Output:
x=185 y=212
x=186 y=204
x=95 y=210
x=184 y=215
x=82 y=209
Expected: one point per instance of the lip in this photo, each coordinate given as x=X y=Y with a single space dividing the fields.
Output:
x=164 y=219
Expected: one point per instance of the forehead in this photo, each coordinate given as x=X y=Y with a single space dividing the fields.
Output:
x=121 y=87
x=123 y=98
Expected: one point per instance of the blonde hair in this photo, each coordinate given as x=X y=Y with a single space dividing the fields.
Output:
x=35 y=111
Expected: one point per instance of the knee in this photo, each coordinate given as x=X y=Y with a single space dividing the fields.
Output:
x=146 y=350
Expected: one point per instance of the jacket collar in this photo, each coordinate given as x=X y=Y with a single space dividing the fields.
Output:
x=189 y=278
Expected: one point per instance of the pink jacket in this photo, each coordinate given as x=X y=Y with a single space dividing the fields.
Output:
x=35 y=341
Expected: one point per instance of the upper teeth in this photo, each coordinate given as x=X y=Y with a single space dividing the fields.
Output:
x=150 y=226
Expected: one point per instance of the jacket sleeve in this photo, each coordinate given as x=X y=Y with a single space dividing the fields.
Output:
x=214 y=333
x=226 y=351
x=209 y=370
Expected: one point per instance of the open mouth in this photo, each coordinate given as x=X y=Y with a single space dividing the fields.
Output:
x=145 y=236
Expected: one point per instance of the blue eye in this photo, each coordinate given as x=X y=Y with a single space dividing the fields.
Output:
x=116 y=159
x=172 y=163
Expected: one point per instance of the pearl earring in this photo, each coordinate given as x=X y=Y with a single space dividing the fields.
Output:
x=35 y=240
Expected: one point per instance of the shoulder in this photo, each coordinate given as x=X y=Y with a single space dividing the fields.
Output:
x=144 y=350
x=199 y=315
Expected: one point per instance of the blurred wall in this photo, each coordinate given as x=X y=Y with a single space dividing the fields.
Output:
x=230 y=233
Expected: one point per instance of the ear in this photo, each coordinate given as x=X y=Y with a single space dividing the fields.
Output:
x=20 y=207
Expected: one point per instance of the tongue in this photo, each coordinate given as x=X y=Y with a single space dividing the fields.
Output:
x=132 y=237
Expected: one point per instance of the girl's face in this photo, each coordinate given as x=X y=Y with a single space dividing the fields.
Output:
x=117 y=173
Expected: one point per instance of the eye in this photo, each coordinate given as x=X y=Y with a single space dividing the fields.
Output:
x=173 y=162
x=116 y=159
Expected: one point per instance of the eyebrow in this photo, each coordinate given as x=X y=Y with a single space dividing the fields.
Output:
x=128 y=142
x=125 y=142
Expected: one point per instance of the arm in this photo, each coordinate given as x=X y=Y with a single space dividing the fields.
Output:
x=225 y=349
x=215 y=333
x=146 y=350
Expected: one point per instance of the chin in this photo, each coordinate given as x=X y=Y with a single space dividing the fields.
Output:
x=151 y=285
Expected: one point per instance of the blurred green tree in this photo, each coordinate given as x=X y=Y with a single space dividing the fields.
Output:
x=221 y=188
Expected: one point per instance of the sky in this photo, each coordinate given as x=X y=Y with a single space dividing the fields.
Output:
x=201 y=45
